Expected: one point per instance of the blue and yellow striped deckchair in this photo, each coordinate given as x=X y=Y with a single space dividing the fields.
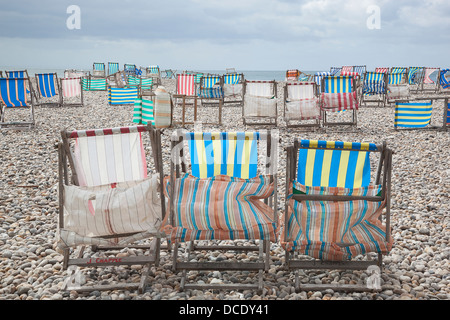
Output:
x=227 y=153
x=445 y=83
x=211 y=87
x=347 y=166
x=117 y=96
x=232 y=78
x=153 y=70
x=13 y=94
x=414 y=75
x=413 y=115
x=113 y=67
x=397 y=75
x=338 y=84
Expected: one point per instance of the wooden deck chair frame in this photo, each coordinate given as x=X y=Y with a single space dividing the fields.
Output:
x=177 y=167
x=156 y=76
x=235 y=98
x=57 y=91
x=316 y=124
x=262 y=119
x=169 y=73
x=211 y=100
x=68 y=176
x=71 y=104
x=186 y=100
x=415 y=78
x=98 y=73
x=294 y=262
x=432 y=98
x=432 y=88
x=379 y=96
x=354 y=120
x=403 y=83
x=20 y=125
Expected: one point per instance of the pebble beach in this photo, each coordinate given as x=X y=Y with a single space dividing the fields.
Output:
x=417 y=268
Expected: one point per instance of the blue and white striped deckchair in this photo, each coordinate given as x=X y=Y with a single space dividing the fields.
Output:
x=211 y=92
x=13 y=94
x=98 y=69
x=334 y=71
x=117 y=96
x=21 y=74
x=113 y=67
x=129 y=69
x=374 y=84
x=48 y=87
x=361 y=70
x=318 y=76
x=445 y=83
x=413 y=115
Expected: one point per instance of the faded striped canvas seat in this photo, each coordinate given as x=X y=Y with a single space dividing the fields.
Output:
x=224 y=194
x=301 y=103
x=112 y=199
x=233 y=87
x=333 y=210
x=94 y=84
x=71 y=89
x=260 y=102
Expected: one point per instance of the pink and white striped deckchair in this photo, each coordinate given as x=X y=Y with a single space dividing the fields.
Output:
x=381 y=70
x=71 y=88
x=186 y=90
x=301 y=103
x=347 y=69
x=113 y=201
x=428 y=83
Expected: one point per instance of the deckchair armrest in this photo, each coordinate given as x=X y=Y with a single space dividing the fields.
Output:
x=318 y=197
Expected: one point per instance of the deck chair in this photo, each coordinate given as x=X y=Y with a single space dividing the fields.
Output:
x=334 y=71
x=169 y=73
x=444 y=80
x=226 y=201
x=292 y=75
x=71 y=91
x=23 y=74
x=48 y=88
x=335 y=218
x=415 y=78
x=186 y=96
x=90 y=83
x=302 y=104
x=13 y=96
x=211 y=93
x=339 y=94
x=233 y=88
x=318 y=76
x=260 y=102
x=120 y=96
x=154 y=109
x=98 y=70
x=129 y=69
x=155 y=73
x=113 y=67
x=110 y=202
x=398 y=87
x=431 y=80
x=360 y=70
x=382 y=70
x=374 y=88
x=146 y=85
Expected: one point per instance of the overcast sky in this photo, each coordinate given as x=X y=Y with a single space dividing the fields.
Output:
x=218 y=34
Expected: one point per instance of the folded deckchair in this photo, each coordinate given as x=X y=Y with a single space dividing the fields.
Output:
x=333 y=212
x=71 y=90
x=13 y=95
x=118 y=96
x=185 y=93
x=47 y=88
x=110 y=203
x=339 y=94
x=113 y=67
x=90 y=83
x=98 y=70
x=210 y=92
x=233 y=88
x=398 y=87
x=226 y=201
x=260 y=102
x=374 y=88
x=301 y=104
x=431 y=80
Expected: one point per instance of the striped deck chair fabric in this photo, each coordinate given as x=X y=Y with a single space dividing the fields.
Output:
x=319 y=76
x=71 y=87
x=112 y=174
x=186 y=84
x=90 y=84
x=397 y=75
x=347 y=69
x=444 y=81
x=334 y=230
x=414 y=75
x=221 y=198
x=413 y=114
x=334 y=71
x=382 y=70
x=350 y=73
x=301 y=101
x=133 y=81
x=47 y=84
x=292 y=75
x=260 y=100
x=143 y=111
x=232 y=84
x=374 y=83
x=146 y=83
x=20 y=74
x=99 y=66
x=448 y=114
x=338 y=94
x=210 y=87
x=163 y=108
x=13 y=92
x=113 y=67
x=428 y=72
x=360 y=70
x=118 y=96
x=153 y=70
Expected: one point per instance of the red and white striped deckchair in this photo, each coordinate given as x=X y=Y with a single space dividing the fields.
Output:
x=112 y=201
x=185 y=91
x=70 y=89
x=382 y=70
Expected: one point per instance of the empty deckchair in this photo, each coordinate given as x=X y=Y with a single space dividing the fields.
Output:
x=292 y=75
x=430 y=80
x=415 y=78
x=47 y=88
x=444 y=80
x=169 y=73
x=233 y=88
x=185 y=93
x=301 y=103
x=398 y=87
x=113 y=67
x=155 y=73
x=90 y=83
x=119 y=96
x=226 y=201
x=374 y=88
x=143 y=112
x=110 y=201
x=339 y=94
x=23 y=74
x=382 y=70
x=210 y=92
x=318 y=76
x=335 y=217
x=360 y=70
x=129 y=69
x=98 y=70
x=260 y=102
x=71 y=91
x=334 y=71
x=13 y=95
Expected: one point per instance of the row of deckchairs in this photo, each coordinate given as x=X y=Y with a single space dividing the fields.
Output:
x=220 y=195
